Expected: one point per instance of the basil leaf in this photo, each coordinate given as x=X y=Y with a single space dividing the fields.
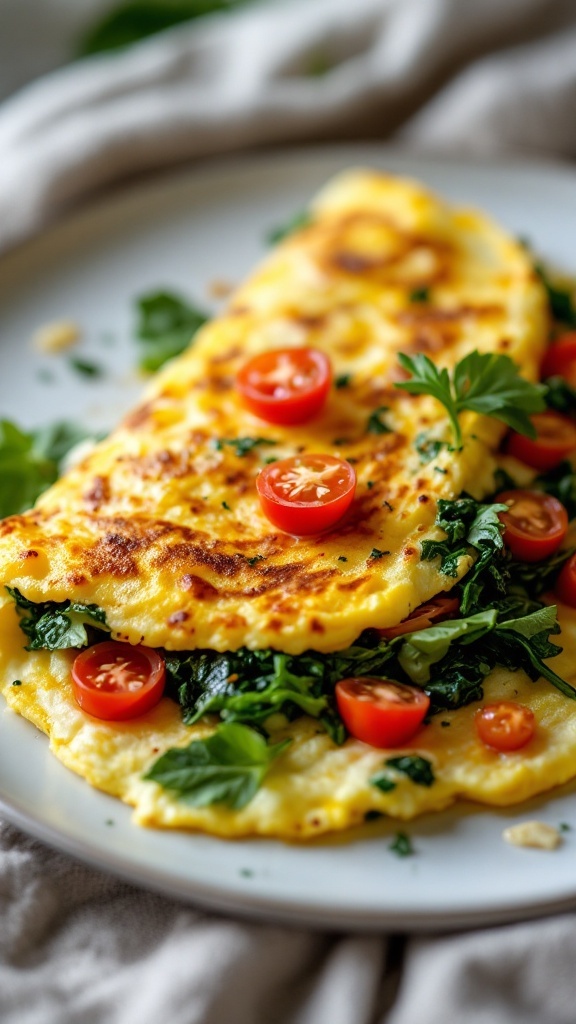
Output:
x=227 y=768
x=166 y=327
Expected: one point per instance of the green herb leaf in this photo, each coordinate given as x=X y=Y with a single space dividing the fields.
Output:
x=485 y=383
x=342 y=380
x=243 y=446
x=297 y=222
x=56 y=626
x=166 y=326
x=423 y=649
x=561 y=302
x=561 y=483
x=227 y=768
x=560 y=395
x=419 y=295
x=30 y=462
x=428 y=448
x=383 y=782
x=401 y=845
x=133 y=20
x=417 y=768
x=85 y=367
x=376 y=424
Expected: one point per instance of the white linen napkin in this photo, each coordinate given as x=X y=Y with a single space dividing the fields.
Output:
x=77 y=946
x=477 y=74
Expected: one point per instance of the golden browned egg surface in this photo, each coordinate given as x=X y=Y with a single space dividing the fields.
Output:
x=160 y=526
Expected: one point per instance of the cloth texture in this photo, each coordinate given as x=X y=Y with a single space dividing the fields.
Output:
x=482 y=76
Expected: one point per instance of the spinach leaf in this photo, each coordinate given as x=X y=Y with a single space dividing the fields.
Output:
x=56 y=626
x=423 y=649
x=30 y=462
x=560 y=395
x=166 y=326
x=418 y=769
x=561 y=483
x=227 y=768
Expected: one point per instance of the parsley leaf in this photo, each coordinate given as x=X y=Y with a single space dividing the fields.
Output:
x=383 y=782
x=242 y=445
x=85 y=367
x=57 y=626
x=226 y=768
x=428 y=448
x=481 y=382
x=417 y=768
x=166 y=326
x=30 y=462
x=401 y=845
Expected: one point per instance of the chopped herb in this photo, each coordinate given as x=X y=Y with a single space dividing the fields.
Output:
x=338 y=441
x=269 y=460
x=429 y=448
x=383 y=782
x=30 y=462
x=561 y=302
x=420 y=295
x=369 y=484
x=243 y=446
x=256 y=559
x=246 y=873
x=55 y=626
x=445 y=724
x=485 y=383
x=342 y=558
x=85 y=367
x=296 y=223
x=386 y=504
x=401 y=845
x=166 y=326
x=375 y=424
x=438 y=469
x=226 y=506
x=418 y=769
x=376 y=553
x=373 y=815
x=17 y=682
x=342 y=380
x=564 y=827
x=226 y=768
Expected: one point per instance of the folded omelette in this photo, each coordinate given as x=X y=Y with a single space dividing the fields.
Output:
x=158 y=539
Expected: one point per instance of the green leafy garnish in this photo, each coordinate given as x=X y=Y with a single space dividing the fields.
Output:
x=57 y=626
x=242 y=446
x=297 y=222
x=560 y=395
x=227 y=768
x=383 y=782
x=417 y=768
x=560 y=299
x=85 y=367
x=376 y=553
x=428 y=448
x=481 y=382
x=342 y=380
x=166 y=326
x=376 y=424
x=419 y=295
x=401 y=845
x=134 y=20
x=30 y=462
x=561 y=483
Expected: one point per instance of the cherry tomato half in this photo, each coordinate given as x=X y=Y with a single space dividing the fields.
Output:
x=566 y=583
x=306 y=494
x=505 y=726
x=535 y=524
x=560 y=359
x=381 y=712
x=286 y=385
x=436 y=610
x=555 y=439
x=115 y=681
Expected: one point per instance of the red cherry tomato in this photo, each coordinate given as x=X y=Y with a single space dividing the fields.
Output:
x=560 y=359
x=555 y=439
x=505 y=726
x=286 y=385
x=535 y=524
x=381 y=712
x=115 y=681
x=306 y=494
x=566 y=583
x=436 y=610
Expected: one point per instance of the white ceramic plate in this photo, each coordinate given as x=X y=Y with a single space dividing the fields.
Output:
x=184 y=233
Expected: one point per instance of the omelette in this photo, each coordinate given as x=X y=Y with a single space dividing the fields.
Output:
x=159 y=540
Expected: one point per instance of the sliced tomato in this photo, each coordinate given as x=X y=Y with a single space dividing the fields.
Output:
x=566 y=583
x=115 y=681
x=286 y=385
x=381 y=712
x=555 y=439
x=306 y=494
x=560 y=359
x=535 y=524
x=505 y=726
x=436 y=610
